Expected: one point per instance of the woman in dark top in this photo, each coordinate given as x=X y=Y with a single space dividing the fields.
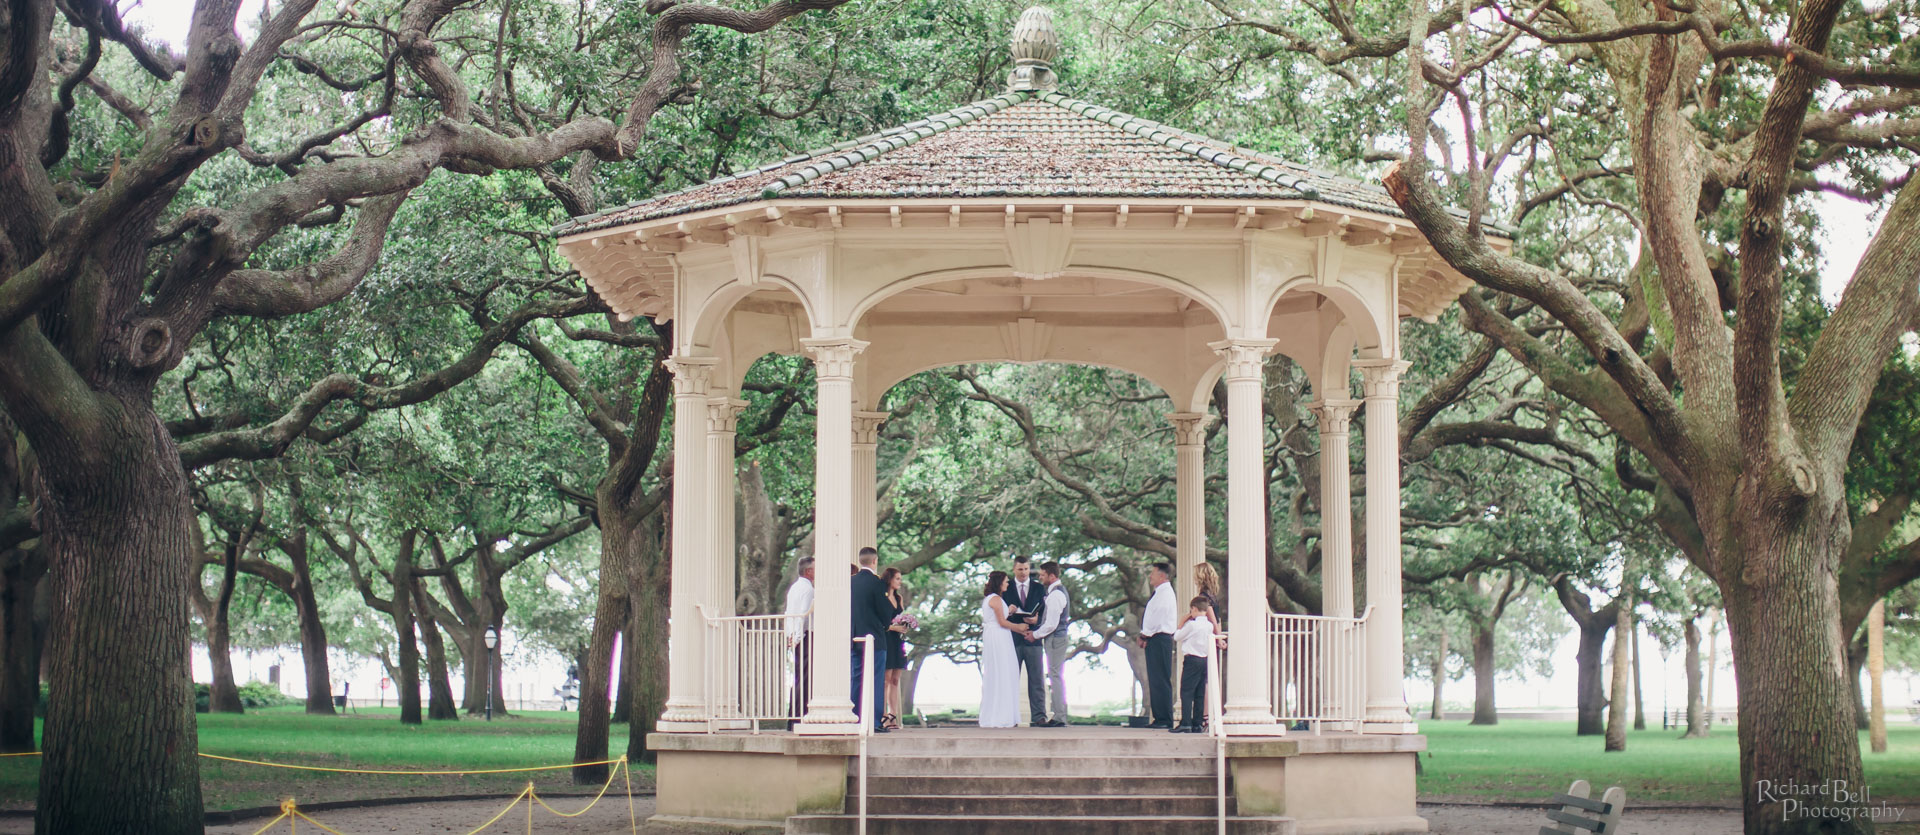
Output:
x=896 y=645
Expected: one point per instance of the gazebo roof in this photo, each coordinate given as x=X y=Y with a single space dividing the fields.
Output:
x=1034 y=144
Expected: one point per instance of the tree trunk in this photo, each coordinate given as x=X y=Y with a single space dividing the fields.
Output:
x=1592 y=699
x=225 y=697
x=406 y=684
x=313 y=631
x=1698 y=724
x=1484 y=672
x=609 y=618
x=439 y=685
x=1617 y=692
x=1713 y=662
x=1857 y=664
x=495 y=671
x=23 y=617
x=1639 y=695
x=1796 y=721
x=120 y=751
x=1876 y=668
x=646 y=664
x=1439 y=678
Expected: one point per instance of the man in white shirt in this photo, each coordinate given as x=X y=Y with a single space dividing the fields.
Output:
x=799 y=613
x=1156 y=636
x=1053 y=639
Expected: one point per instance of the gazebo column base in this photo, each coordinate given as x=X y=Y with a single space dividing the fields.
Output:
x=747 y=782
x=1311 y=779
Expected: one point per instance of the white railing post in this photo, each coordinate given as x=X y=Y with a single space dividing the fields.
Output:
x=866 y=719
x=1218 y=730
x=747 y=675
x=1319 y=668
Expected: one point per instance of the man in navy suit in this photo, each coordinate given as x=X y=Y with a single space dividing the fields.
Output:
x=871 y=616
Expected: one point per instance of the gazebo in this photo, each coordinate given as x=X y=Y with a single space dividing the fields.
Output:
x=1029 y=227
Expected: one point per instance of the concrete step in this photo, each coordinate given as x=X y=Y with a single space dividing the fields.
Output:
x=1137 y=743
x=1056 y=807
x=1046 y=785
x=1000 y=825
x=997 y=766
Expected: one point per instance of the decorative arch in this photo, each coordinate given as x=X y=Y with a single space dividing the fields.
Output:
x=1369 y=328
x=713 y=310
x=898 y=286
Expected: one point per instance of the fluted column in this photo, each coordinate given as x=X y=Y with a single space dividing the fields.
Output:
x=1386 y=695
x=1249 y=709
x=831 y=711
x=723 y=414
x=691 y=572
x=866 y=490
x=1336 y=508
x=1190 y=497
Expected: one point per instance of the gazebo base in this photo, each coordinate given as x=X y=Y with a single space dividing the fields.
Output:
x=1116 y=779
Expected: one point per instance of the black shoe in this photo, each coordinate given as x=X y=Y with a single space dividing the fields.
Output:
x=1160 y=726
x=882 y=731
x=1056 y=723
x=1186 y=729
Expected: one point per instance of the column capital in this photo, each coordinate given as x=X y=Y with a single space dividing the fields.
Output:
x=1380 y=378
x=691 y=375
x=723 y=413
x=1190 y=428
x=833 y=357
x=1244 y=356
x=1334 y=416
x=866 y=427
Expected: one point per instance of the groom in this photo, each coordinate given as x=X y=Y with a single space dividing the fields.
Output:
x=1027 y=595
x=872 y=614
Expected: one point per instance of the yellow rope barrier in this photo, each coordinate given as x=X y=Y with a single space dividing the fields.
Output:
x=291 y=813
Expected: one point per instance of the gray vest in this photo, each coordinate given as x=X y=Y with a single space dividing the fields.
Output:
x=1066 y=612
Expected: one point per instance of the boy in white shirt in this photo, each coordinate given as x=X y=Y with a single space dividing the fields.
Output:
x=1195 y=639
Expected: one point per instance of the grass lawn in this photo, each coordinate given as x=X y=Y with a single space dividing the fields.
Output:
x=1529 y=760
x=369 y=738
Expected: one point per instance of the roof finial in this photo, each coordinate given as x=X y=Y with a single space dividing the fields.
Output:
x=1035 y=47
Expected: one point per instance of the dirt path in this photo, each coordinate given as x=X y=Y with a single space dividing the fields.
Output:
x=1501 y=820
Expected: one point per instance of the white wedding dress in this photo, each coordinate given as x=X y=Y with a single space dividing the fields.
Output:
x=999 y=671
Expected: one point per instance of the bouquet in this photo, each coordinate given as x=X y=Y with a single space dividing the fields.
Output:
x=904 y=619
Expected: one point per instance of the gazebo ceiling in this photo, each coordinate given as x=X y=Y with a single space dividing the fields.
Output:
x=1028 y=154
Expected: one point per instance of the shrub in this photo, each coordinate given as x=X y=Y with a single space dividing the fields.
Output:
x=261 y=694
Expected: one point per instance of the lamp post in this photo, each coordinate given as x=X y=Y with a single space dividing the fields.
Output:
x=493 y=640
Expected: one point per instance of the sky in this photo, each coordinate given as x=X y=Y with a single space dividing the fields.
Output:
x=1847 y=225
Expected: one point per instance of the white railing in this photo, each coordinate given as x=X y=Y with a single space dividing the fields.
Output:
x=1319 y=668
x=754 y=676
x=1218 y=730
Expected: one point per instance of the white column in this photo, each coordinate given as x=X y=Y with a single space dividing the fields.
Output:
x=831 y=710
x=866 y=489
x=723 y=414
x=1249 y=707
x=1336 y=508
x=691 y=574
x=1190 y=498
x=1386 y=695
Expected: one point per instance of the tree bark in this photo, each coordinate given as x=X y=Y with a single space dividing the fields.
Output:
x=1484 y=673
x=439 y=684
x=1796 y=717
x=1698 y=724
x=313 y=630
x=119 y=748
x=1439 y=678
x=646 y=660
x=1622 y=661
x=609 y=619
x=1592 y=697
x=406 y=685
x=23 y=616
x=1639 y=695
x=910 y=679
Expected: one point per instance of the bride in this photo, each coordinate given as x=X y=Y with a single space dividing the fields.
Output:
x=999 y=667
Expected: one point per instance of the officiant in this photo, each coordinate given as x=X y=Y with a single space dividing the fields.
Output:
x=1028 y=598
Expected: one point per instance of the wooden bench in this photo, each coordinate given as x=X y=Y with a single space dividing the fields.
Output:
x=1913 y=712
x=1580 y=813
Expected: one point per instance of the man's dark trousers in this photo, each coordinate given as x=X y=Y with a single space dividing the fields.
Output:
x=1193 y=691
x=802 y=679
x=879 y=697
x=1160 y=677
x=1033 y=661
